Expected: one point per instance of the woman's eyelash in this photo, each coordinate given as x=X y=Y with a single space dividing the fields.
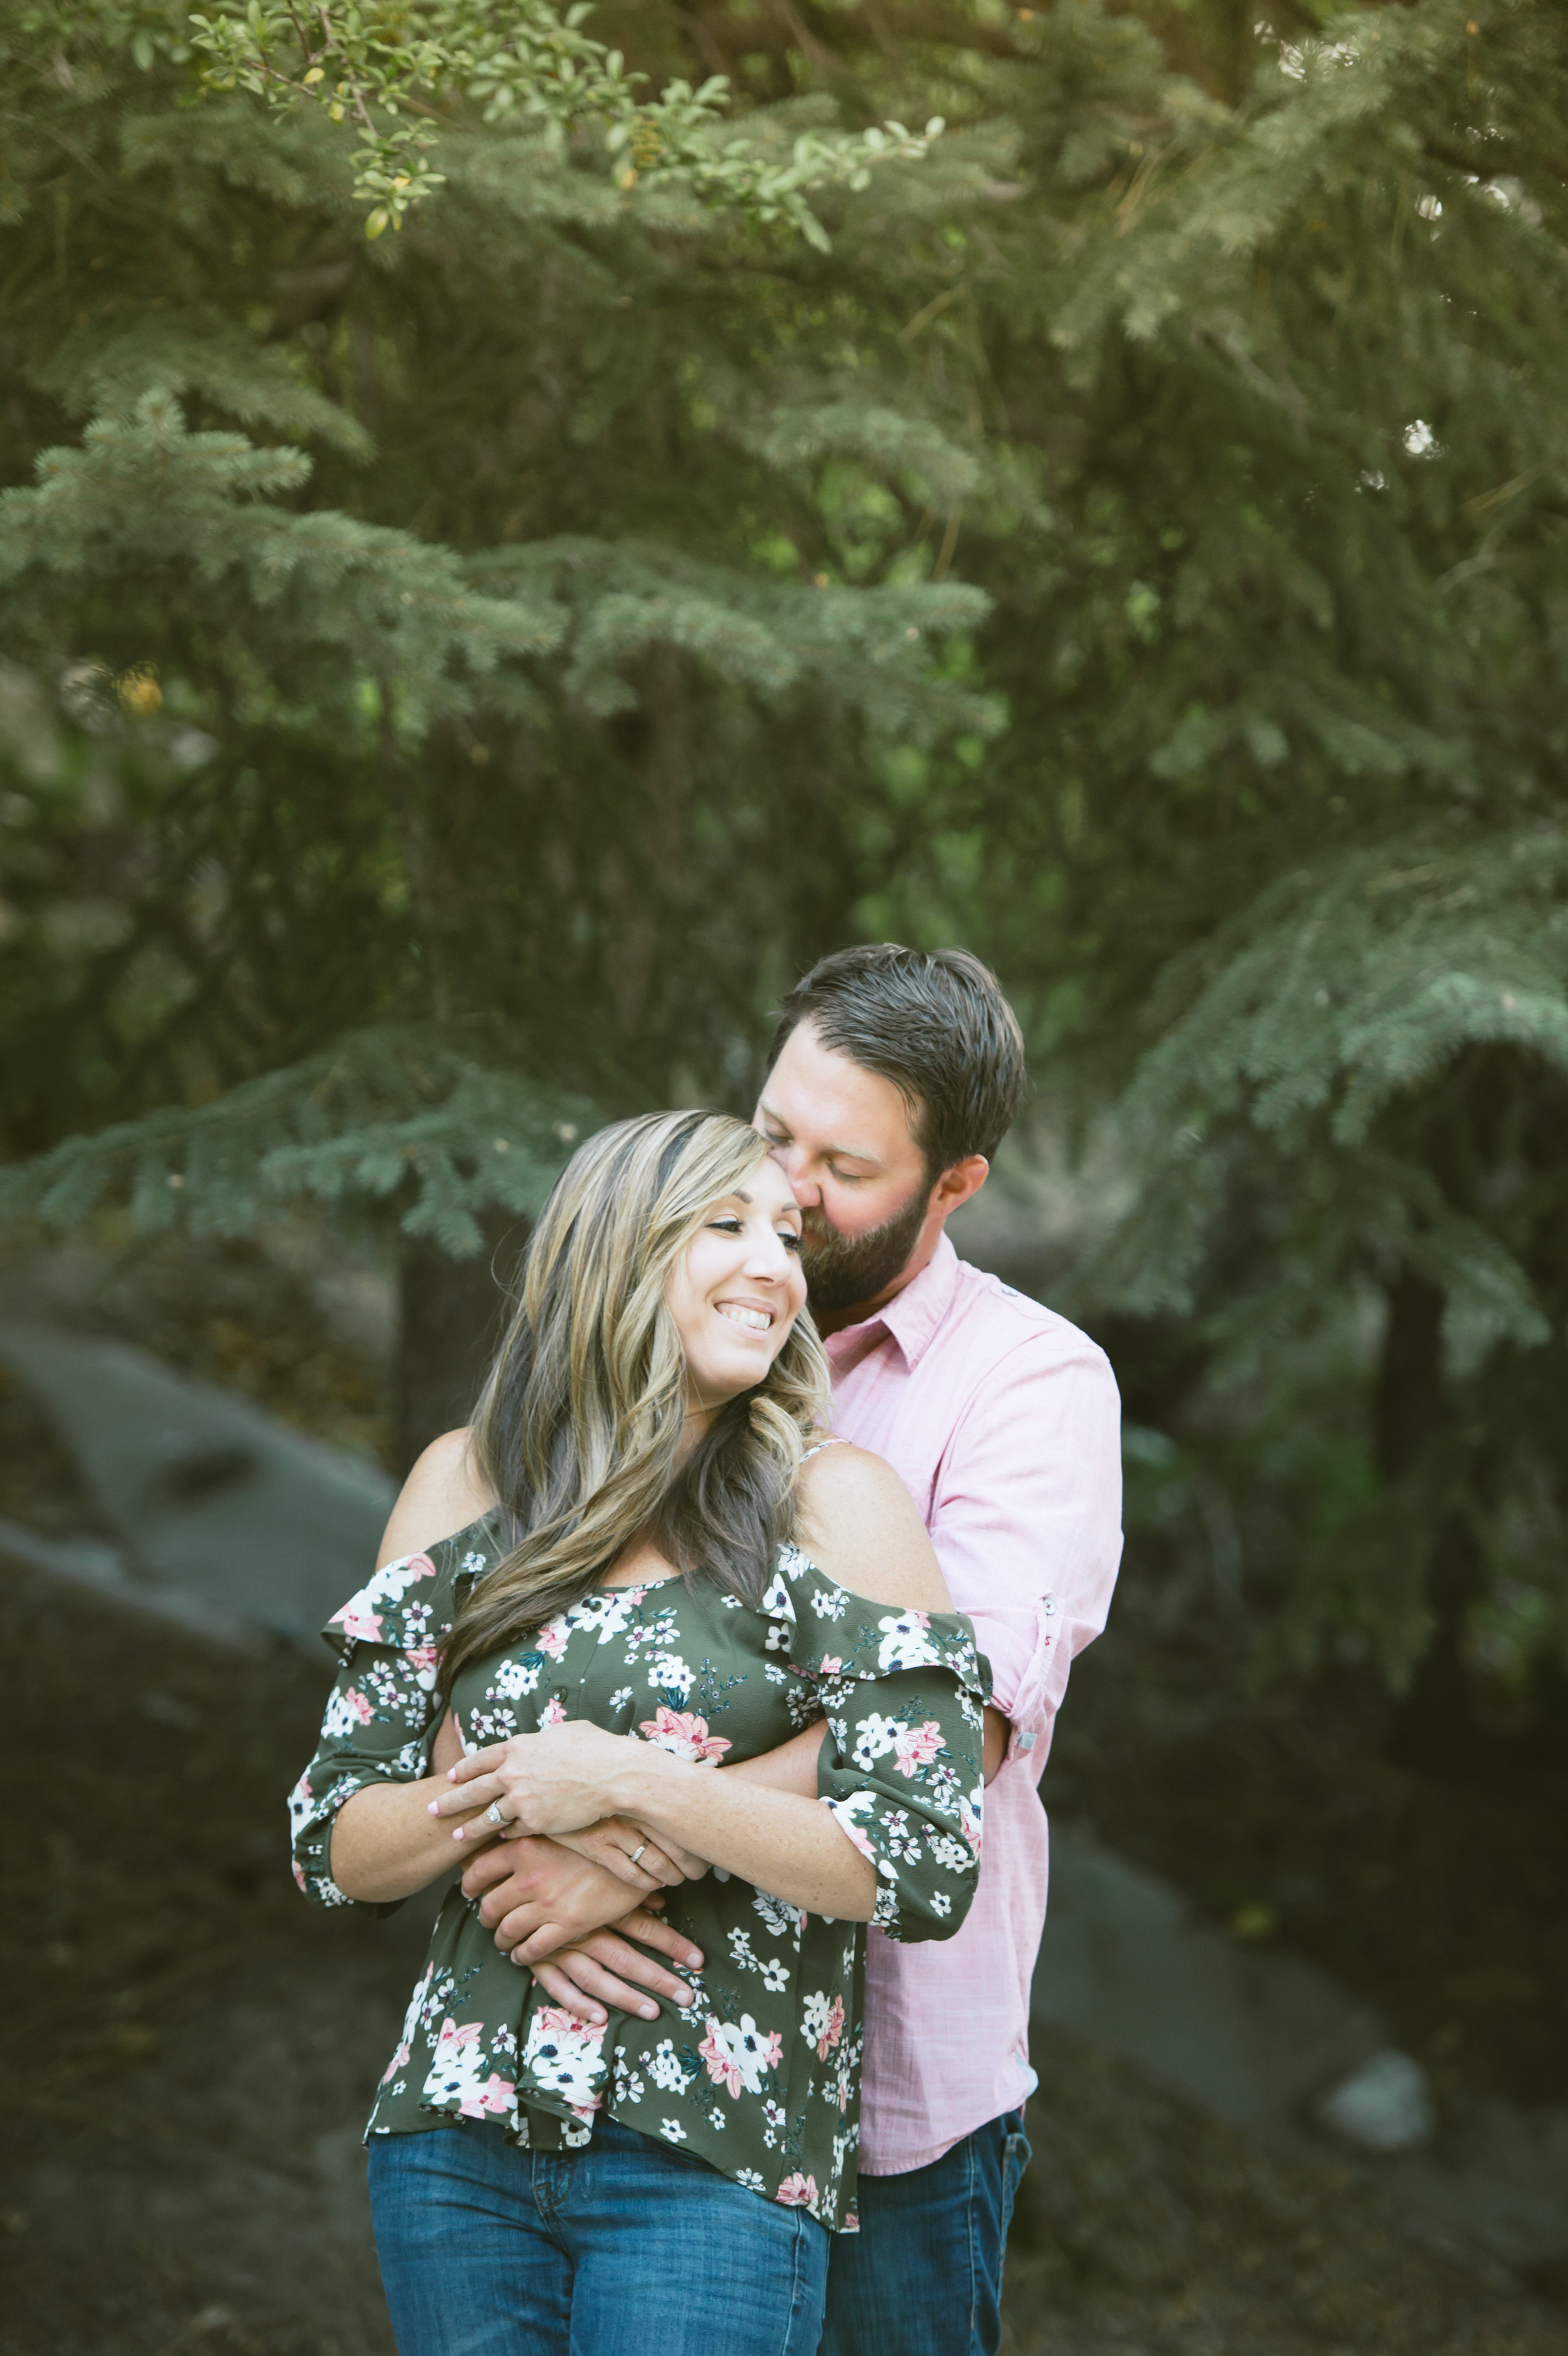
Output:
x=788 y=1238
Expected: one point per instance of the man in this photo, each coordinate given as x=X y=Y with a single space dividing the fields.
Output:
x=893 y=1076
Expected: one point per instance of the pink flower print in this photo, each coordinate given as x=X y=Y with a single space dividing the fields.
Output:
x=299 y=1874
x=551 y=1639
x=683 y=1734
x=917 y=1747
x=400 y=2061
x=494 y=2095
x=832 y=2031
x=553 y=1712
x=737 y=2053
x=357 y=1620
x=421 y=1656
x=831 y=1665
x=969 y=1826
x=359 y=1705
x=797 y=2191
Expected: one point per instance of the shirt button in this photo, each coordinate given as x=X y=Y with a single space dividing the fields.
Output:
x=1025 y=1740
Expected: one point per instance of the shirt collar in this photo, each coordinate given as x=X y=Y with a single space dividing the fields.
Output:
x=911 y=1316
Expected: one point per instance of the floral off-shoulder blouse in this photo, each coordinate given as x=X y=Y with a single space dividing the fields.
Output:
x=759 y=2074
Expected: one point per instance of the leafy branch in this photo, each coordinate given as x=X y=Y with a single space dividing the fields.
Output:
x=393 y=72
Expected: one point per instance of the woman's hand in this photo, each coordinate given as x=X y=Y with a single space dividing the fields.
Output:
x=559 y=1781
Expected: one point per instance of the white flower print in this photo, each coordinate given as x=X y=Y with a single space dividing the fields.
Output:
x=906 y=1642
x=514 y=1678
x=619 y=1699
x=830 y=1602
x=775 y=1976
x=750 y=2180
x=669 y=1671
x=565 y=2055
x=777 y=1603
x=953 y=1856
x=875 y=1737
x=665 y=2069
x=940 y=1902
x=672 y=2130
x=780 y=1917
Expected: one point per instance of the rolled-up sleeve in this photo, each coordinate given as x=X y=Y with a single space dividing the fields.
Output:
x=1026 y=1520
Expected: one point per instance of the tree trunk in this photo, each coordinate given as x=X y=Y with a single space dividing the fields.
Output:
x=1435 y=1728
x=450 y=1317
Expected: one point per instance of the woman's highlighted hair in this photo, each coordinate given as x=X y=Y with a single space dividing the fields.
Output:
x=579 y=1425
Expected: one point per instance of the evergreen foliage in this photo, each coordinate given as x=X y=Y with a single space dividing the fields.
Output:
x=1134 y=547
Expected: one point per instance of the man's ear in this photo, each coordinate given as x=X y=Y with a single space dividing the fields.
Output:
x=957 y=1185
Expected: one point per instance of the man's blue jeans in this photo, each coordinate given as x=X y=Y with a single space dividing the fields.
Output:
x=923 y=2274
x=621 y=2249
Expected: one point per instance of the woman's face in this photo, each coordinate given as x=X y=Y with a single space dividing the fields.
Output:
x=739 y=1288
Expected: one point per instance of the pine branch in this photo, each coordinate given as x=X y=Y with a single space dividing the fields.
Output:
x=383 y=1114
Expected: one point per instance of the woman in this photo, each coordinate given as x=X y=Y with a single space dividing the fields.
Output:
x=600 y=1587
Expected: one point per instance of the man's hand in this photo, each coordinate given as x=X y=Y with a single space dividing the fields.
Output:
x=541 y=1901
x=613 y=1844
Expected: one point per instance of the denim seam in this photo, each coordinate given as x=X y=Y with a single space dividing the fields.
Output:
x=971 y=2205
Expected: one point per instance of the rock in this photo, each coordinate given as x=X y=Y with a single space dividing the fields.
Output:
x=1385 y=2105
x=217 y=1504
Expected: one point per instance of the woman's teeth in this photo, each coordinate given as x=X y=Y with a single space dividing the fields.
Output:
x=755 y=1321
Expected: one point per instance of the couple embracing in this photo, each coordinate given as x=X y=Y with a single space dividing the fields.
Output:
x=744 y=1604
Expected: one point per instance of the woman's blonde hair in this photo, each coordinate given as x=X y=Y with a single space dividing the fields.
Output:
x=578 y=1424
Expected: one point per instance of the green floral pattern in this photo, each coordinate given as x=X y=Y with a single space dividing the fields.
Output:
x=759 y=2074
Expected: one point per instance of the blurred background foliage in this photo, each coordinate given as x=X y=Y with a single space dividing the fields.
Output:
x=456 y=678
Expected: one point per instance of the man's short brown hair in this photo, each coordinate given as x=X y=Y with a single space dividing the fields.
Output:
x=933 y=1021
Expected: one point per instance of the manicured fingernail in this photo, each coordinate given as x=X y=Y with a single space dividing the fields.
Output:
x=694 y=1961
x=649 y=2011
x=433 y=1809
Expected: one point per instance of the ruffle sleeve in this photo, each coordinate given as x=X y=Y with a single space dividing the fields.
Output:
x=383 y=1712
x=904 y=1696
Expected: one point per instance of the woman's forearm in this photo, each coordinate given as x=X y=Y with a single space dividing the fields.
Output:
x=386 y=1845
x=788 y=1844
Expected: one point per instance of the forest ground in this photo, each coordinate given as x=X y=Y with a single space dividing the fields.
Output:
x=187 y=2050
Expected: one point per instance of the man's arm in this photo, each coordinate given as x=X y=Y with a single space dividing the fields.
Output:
x=1025 y=1521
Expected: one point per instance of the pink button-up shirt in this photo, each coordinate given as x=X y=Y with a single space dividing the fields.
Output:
x=1003 y=1422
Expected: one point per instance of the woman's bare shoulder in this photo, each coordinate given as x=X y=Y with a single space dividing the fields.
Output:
x=443 y=1492
x=859 y=1525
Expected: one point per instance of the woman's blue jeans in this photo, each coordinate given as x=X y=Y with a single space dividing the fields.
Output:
x=625 y=2248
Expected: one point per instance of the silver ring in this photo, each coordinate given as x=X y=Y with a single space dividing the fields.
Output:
x=493 y=1814
x=637 y=1853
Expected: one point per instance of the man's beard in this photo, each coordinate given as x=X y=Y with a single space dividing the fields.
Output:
x=843 y=1271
